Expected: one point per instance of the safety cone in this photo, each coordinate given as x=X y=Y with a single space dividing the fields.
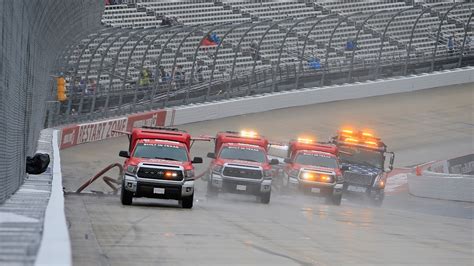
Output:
x=418 y=170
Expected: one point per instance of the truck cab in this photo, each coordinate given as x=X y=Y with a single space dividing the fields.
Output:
x=240 y=165
x=158 y=165
x=314 y=168
x=368 y=161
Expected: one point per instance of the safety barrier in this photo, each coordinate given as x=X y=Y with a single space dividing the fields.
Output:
x=442 y=184
x=88 y=132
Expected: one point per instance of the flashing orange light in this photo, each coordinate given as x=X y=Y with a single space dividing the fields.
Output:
x=248 y=134
x=371 y=143
x=308 y=176
x=381 y=184
x=367 y=134
x=347 y=131
x=351 y=140
x=305 y=140
x=171 y=174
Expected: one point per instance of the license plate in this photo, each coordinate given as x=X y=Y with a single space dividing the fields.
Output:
x=158 y=190
x=315 y=190
x=241 y=187
x=356 y=189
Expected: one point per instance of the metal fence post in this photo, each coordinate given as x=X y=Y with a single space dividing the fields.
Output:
x=158 y=63
x=216 y=54
x=466 y=29
x=301 y=68
x=115 y=62
x=328 y=48
x=257 y=53
x=101 y=67
x=129 y=59
x=407 y=61
x=377 y=68
x=237 y=49
x=284 y=41
x=439 y=32
x=142 y=63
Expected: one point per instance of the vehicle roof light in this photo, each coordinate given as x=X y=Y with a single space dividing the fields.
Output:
x=351 y=140
x=371 y=142
x=366 y=134
x=305 y=140
x=248 y=134
x=347 y=131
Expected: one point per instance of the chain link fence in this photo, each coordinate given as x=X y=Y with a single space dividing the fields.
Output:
x=33 y=35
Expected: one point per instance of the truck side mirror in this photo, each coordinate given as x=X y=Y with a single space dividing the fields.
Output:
x=197 y=160
x=288 y=160
x=345 y=168
x=124 y=154
x=211 y=155
x=274 y=162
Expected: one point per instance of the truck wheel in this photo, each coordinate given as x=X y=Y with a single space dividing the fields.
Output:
x=211 y=191
x=126 y=197
x=336 y=199
x=187 y=202
x=265 y=198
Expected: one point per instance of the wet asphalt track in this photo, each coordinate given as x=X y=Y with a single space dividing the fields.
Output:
x=294 y=229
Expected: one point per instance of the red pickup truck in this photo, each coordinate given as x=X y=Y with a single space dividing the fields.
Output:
x=158 y=165
x=314 y=168
x=240 y=165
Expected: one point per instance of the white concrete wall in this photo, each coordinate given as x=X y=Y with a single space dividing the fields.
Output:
x=255 y=104
x=442 y=186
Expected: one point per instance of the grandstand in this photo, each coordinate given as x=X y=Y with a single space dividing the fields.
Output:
x=262 y=46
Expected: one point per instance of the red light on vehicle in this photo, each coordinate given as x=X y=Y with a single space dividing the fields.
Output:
x=371 y=143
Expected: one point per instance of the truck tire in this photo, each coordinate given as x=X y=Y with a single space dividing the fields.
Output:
x=336 y=199
x=187 y=202
x=265 y=198
x=211 y=191
x=126 y=197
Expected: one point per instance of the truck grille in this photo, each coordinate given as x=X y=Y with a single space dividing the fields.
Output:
x=242 y=172
x=160 y=174
x=359 y=179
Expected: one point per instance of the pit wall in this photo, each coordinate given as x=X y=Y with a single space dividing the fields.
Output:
x=94 y=131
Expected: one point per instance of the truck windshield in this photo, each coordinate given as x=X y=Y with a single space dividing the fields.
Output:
x=244 y=154
x=160 y=151
x=361 y=156
x=316 y=160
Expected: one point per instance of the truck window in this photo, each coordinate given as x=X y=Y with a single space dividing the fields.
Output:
x=362 y=156
x=316 y=160
x=161 y=151
x=244 y=154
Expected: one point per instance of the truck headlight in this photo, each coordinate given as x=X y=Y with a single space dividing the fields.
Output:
x=217 y=169
x=189 y=174
x=267 y=174
x=132 y=170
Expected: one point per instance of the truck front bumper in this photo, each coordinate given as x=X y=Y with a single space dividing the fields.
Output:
x=151 y=188
x=316 y=187
x=240 y=185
